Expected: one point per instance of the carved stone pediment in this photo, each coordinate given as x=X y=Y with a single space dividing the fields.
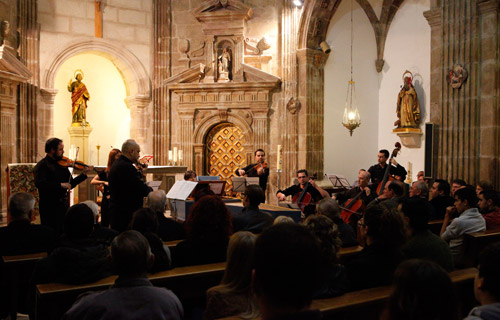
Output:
x=191 y=75
x=251 y=74
x=11 y=68
x=226 y=9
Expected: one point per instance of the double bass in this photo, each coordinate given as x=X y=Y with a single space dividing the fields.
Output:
x=387 y=177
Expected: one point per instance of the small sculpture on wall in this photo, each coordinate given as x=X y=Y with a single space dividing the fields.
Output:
x=224 y=64
x=408 y=108
x=293 y=105
x=79 y=98
x=457 y=76
x=254 y=47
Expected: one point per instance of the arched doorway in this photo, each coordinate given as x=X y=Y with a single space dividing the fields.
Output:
x=224 y=152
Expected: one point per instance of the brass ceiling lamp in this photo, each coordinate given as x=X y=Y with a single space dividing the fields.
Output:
x=351 y=118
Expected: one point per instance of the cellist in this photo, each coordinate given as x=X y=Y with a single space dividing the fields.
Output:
x=377 y=171
x=305 y=186
x=259 y=169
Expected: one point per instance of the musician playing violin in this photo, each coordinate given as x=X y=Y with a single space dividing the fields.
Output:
x=377 y=171
x=53 y=182
x=259 y=169
x=315 y=191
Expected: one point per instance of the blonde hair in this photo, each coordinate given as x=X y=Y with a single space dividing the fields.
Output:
x=283 y=219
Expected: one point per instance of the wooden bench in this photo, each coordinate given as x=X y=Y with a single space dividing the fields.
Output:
x=435 y=226
x=369 y=303
x=188 y=283
x=474 y=243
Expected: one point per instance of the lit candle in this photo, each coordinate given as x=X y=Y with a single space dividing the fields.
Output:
x=180 y=155
x=278 y=156
x=169 y=155
x=175 y=154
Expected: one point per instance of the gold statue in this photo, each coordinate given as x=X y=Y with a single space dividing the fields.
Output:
x=408 y=108
x=79 y=98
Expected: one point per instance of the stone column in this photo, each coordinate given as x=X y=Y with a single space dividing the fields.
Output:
x=186 y=137
x=139 y=123
x=260 y=134
x=46 y=114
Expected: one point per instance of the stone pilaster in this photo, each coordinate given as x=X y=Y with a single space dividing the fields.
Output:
x=140 y=119
x=46 y=114
x=186 y=139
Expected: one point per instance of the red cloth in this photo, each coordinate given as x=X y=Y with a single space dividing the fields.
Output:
x=492 y=219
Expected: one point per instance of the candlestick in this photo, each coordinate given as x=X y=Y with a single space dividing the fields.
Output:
x=180 y=155
x=175 y=156
x=279 y=157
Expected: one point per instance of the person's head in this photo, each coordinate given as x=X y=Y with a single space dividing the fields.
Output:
x=420 y=176
x=329 y=208
x=483 y=185
x=383 y=155
x=208 y=220
x=465 y=198
x=157 y=201
x=487 y=282
x=440 y=187
x=94 y=207
x=114 y=154
x=394 y=189
x=326 y=232
x=363 y=178
x=79 y=221
x=54 y=148
x=283 y=219
x=260 y=155
x=21 y=206
x=130 y=254
x=190 y=175
x=382 y=226
x=457 y=184
x=253 y=196
x=302 y=176
x=131 y=150
x=144 y=220
x=422 y=290
x=287 y=269
x=488 y=200
x=417 y=213
x=79 y=76
x=240 y=256
x=419 y=189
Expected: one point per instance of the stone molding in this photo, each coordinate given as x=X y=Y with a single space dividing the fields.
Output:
x=49 y=96
x=11 y=68
x=434 y=17
x=488 y=6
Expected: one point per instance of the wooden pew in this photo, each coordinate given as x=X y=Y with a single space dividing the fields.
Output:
x=474 y=243
x=188 y=283
x=435 y=226
x=368 y=304
x=16 y=274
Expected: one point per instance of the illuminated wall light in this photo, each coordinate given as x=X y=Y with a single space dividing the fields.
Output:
x=297 y=3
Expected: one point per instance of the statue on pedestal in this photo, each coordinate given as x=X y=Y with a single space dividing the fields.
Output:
x=224 y=64
x=408 y=108
x=79 y=98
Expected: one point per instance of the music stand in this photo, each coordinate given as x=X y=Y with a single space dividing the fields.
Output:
x=338 y=181
x=239 y=184
x=252 y=180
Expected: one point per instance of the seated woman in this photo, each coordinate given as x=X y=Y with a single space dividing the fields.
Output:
x=325 y=231
x=421 y=290
x=382 y=231
x=146 y=222
x=208 y=228
x=234 y=296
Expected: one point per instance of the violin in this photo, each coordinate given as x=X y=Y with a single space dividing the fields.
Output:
x=387 y=177
x=260 y=165
x=68 y=163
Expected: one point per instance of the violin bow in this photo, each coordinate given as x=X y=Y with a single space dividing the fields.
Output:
x=74 y=163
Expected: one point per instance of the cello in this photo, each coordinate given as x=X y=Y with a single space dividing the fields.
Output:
x=352 y=206
x=304 y=198
x=387 y=177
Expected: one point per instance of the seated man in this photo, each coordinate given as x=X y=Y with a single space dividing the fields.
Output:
x=190 y=175
x=78 y=258
x=132 y=296
x=440 y=198
x=457 y=184
x=489 y=201
x=251 y=218
x=469 y=220
x=286 y=292
x=20 y=236
x=331 y=209
x=101 y=234
x=393 y=192
x=168 y=229
x=487 y=285
x=422 y=243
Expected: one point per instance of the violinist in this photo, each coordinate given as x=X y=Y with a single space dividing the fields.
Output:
x=53 y=182
x=259 y=169
x=126 y=187
x=377 y=171
x=305 y=186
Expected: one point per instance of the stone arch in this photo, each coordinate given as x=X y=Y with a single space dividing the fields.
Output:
x=201 y=131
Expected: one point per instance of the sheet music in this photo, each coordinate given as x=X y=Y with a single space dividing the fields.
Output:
x=181 y=190
x=338 y=180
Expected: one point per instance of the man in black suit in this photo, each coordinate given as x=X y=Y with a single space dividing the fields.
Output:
x=126 y=187
x=251 y=218
x=168 y=229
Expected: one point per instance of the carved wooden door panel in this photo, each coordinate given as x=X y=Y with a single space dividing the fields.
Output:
x=224 y=152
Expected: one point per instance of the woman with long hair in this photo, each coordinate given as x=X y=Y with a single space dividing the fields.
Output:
x=233 y=296
x=101 y=183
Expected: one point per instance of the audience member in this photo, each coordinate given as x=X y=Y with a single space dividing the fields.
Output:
x=101 y=234
x=77 y=258
x=208 y=228
x=20 y=236
x=287 y=272
x=145 y=221
x=487 y=285
x=234 y=295
x=283 y=219
x=190 y=175
x=168 y=229
x=132 y=296
x=422 y=243
x=393 y=191
x=421 y=290
x=331 y=209
x=251 y=218
x=483 y=186
x=419 y=189
x=420 y=176
x=382 y=231
x=440 y=198
x=334 y=280
x=489 y=206
x=457 y=184
x=469 y=220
